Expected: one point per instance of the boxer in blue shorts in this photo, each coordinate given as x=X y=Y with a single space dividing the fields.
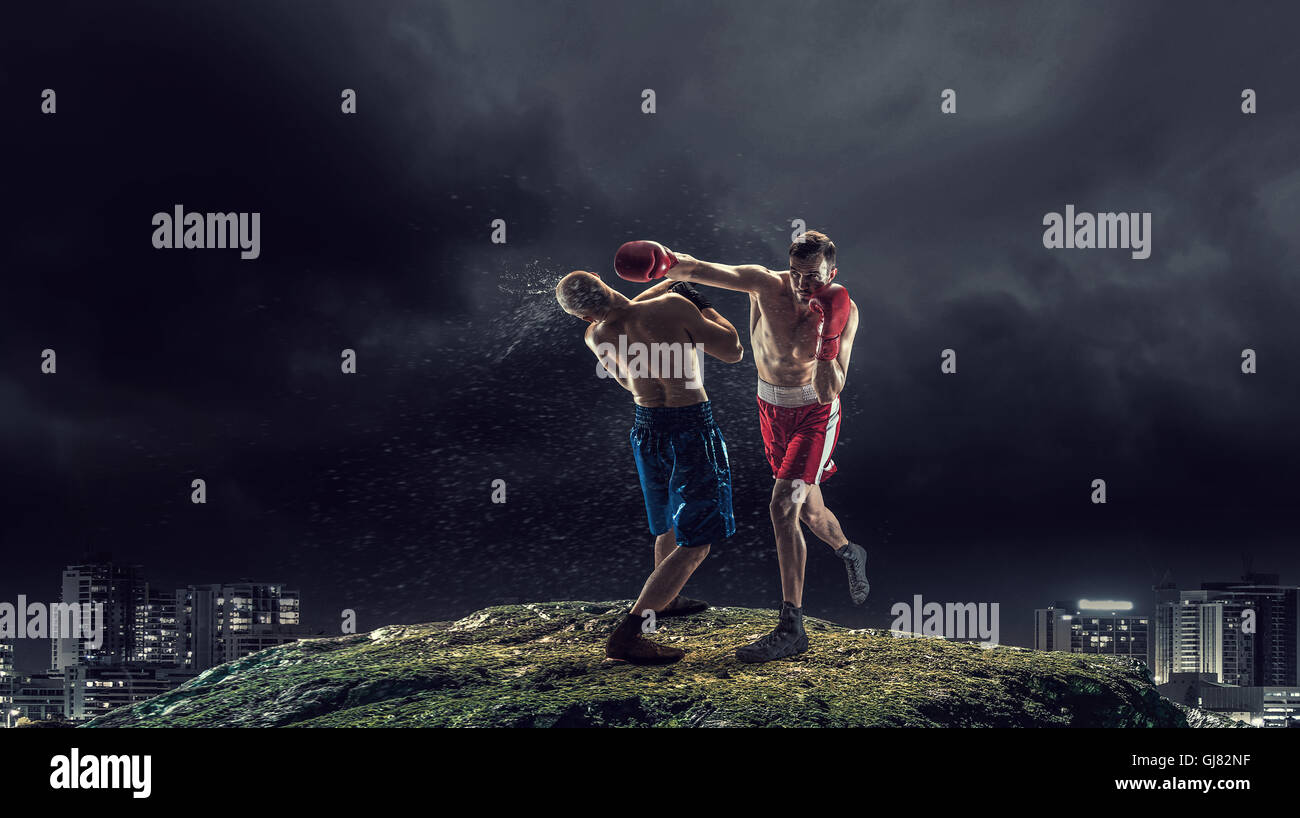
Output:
x=649 y=346
x=685 y=477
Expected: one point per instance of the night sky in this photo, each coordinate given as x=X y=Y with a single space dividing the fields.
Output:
x=372 y=491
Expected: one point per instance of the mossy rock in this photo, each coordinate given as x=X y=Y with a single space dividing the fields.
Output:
x=543 y=665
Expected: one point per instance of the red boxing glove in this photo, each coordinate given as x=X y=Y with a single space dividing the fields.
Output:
x=643 y=260
x=832 y=304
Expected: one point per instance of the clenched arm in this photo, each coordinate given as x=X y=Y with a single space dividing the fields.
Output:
x=709 y=330
x=829 y=376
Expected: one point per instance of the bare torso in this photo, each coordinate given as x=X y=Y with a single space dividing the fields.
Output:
x=652 y=323
x=783 y=335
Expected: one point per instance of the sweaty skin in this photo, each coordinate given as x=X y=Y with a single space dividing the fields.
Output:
x=782 y=329
x=657 y=316
x=783 y=335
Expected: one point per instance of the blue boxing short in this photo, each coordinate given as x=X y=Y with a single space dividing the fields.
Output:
x=685 y=476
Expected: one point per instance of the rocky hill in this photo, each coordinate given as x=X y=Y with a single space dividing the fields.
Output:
x=543 y=665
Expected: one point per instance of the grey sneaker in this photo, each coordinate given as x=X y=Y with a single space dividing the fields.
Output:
x=855 y=564
x=788 y=639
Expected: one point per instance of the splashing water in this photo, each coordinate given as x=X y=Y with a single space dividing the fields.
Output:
x=535 y=317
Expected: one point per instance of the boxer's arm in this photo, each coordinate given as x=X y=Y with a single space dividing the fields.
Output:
x=747 y=278
x=717 y=337
x=687 y=290
x=829 y=376
x=609 y=362
x=716 y=317
x=659 y=288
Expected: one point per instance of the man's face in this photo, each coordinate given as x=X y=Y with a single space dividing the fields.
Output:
x=807 y=276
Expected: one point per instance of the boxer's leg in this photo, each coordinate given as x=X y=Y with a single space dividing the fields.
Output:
x=669 y=576
x=809 y=458
x=665 y=544
x=654 y=462
x=791 y=552
x=801 y=463
x=678 y=477
x=700 y=495
x=821 y=520
x=627 y=643
x=788 y=638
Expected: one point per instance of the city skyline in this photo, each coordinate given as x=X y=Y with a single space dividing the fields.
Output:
x=76 y=685
x=144 y=603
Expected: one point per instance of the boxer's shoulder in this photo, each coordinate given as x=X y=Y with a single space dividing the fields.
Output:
x=770 y=280
x=602 y=332
x=778 y=282
x=663 y=304
x=676 y=302
x=777 y=289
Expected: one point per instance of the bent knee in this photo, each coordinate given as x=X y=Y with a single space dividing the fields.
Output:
x=783 y=508
x=811 y=518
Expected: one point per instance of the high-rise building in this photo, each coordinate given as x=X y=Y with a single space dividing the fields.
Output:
x=156 y=629
x=1099 y=627
x=1239 y=633
x=7 y=676
x=1276 y=619
x=152 y=641
x=1052 y=627
x=98 y=585
x=224 y=622
x=1208 y=639
x=1161 y=645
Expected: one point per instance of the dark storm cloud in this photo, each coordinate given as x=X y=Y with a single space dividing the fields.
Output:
x=183 y=363
x=1073 y=365
x=831 y=116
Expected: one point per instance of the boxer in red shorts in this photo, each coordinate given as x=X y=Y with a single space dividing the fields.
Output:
x=801 y=328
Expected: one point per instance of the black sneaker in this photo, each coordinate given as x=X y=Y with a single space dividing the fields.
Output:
x=788 y=639
x=683 y=606
x=855 y=564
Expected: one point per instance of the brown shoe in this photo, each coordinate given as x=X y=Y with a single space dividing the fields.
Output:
x=626 y=644
x=683 y=606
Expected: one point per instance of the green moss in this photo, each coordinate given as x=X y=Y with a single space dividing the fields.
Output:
x=543 y=665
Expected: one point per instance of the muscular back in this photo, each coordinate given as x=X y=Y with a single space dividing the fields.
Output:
x=667 y=373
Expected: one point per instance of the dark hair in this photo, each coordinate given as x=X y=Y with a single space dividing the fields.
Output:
x=813 y=245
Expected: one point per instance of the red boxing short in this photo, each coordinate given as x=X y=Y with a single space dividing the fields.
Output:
x=799 y=434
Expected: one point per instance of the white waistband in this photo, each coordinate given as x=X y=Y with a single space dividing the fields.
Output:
x=788 y=396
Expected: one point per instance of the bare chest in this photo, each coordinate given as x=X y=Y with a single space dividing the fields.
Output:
x=783 y=332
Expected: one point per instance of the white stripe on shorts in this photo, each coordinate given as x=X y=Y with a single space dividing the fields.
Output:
x=832 y=434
